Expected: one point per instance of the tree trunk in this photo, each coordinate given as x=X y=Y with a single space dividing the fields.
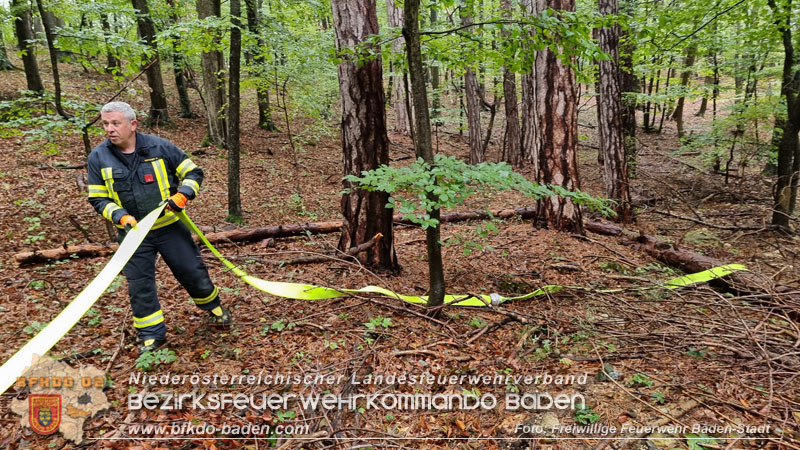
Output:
x=628 y=85
x=436 y=102
x=5 y=63
x=688 y=62
x=178 y=68
x=612 y=139
x=48 y=31
x=234 y=197
x=473 y=100
x=789 y=146
x=158 y=97
x=512 y=139
x=24 y=32
x=364 y=140
x=557 y=122
x=112 y=62
x=402 y=122
x=529 y=131
x=213 y=79
x=424 y=148
x=259 y=73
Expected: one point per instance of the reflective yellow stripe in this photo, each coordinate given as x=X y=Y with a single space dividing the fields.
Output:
x=203 y=301
x=185 y=167
x=108 y=211
x=108 y=176
x=161 y=175
x=98 y=190
x=192 y=185
x=153 y=319
x=168 y=218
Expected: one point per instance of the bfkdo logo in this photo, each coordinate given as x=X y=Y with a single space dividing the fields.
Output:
x=44 y=412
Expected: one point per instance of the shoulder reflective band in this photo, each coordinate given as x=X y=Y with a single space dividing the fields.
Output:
x=309 y=292
x=59 y=326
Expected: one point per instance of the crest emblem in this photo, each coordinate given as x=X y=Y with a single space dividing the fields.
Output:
x=44 y=413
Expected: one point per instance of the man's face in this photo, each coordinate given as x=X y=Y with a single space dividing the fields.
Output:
x=118 y=129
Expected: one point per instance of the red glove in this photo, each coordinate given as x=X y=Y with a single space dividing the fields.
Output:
x=127 y=221
x=177 y=202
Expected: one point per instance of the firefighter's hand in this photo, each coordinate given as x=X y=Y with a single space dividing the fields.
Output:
x=177 y=202
x=127 y=221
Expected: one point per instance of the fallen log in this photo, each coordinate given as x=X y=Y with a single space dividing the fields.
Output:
x=51 y=254
x=257 y=234
x=781 y=297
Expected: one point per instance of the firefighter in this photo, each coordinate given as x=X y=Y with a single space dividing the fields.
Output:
x=130 y=174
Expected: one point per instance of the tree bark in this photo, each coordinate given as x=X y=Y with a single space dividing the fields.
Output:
x=473 y=101
x=48 y=31
x=178 y=68
x=628 y=85
x=365 y=143
x=213 y=78
x=612 y=139
x=24 y=32
x=789 y=145
x=423 y=145
x=112 y=62
x=402 y=121
x=557 y=138
x=234 y=196
x=259 y=73
x=688 y=62
x=529 y=130
x=158 y=97
x=436 y=103
x=5 y=63
x=512 y=139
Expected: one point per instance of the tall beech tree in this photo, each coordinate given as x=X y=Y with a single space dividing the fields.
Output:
x=23 y=28
x=158 y=97
x=423 y=144
x=609 y=108
x=49 y=33
x=556 y=141
x=365 y=143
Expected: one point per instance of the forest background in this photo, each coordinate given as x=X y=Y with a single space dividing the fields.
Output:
x=685 y=115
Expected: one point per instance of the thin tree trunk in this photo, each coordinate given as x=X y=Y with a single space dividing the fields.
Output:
x=529 y=129
x=259 y=73
x=628 y=85
x=557 y=140
x=436 y=103
x=234 y=197
x=512 y=139
x=158 y=97
x=612 y=139
x=365 y=143
x=688 y=62
x=472 y=97
x=178 y=68
x=402 y=121
x=112 y=62
x=424 y=149
x=213 y=79
x=24 y=32
x=48 y=31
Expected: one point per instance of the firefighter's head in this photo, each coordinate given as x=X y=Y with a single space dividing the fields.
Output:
x=119 y=123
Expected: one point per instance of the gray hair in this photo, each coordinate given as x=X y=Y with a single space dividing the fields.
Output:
x=122 y=107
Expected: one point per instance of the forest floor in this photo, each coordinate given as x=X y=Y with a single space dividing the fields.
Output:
x=693 y=356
